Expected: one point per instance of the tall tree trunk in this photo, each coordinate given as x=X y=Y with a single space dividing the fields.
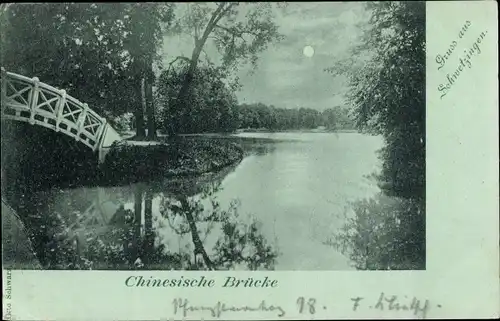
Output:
x=143 y=97
x=139 y=111
x=150 y=107
x=135 y=48
x=138 y=72
x=181 y=102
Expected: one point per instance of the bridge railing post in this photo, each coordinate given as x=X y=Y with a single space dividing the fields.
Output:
x=100 y=141
x=34 y=99
x=81 y=121
x=60 y=108
x=101 y=133
x=4 y=88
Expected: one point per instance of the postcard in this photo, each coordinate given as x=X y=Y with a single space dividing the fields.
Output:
x=250 y=160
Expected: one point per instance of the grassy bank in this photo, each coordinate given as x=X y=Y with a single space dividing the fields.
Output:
x=183 y=156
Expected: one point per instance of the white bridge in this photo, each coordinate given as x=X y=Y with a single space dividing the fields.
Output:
x=29 y=100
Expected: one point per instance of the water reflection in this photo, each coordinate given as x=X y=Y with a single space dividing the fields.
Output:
x=177 y=225
x=297 y=184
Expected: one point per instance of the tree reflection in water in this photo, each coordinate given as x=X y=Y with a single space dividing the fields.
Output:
x=130 y=245
x=120 y=228
x=99 y=228
x=95 y=227
x=240 y=244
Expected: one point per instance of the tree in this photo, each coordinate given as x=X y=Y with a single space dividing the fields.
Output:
x=76 y=47
x=98 y=53
x=337 y=118
x=211 y=103
x=389 y=93
x=386 y=73
x=237 y=39
x=330 y=118
x=147 y=23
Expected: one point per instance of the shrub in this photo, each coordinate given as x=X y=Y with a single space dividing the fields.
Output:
x=123 y=123
x=182 y=157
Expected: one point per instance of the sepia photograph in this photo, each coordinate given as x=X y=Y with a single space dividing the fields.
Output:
x=284 y=136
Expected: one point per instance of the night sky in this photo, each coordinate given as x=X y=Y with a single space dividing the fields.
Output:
x=285 y=76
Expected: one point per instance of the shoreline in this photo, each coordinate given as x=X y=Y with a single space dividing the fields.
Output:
x=182 y=158
x=164 y=158
x=129 y=135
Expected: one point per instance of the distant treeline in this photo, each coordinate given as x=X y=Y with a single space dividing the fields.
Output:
x=269 y=117
x=231 y=117
x=213 y=107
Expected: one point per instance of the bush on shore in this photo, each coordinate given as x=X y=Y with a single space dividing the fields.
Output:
x=182 y=157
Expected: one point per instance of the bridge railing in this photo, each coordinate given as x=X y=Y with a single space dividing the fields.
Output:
x=29 y=100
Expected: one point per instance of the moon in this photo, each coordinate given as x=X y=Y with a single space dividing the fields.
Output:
x=308 y=51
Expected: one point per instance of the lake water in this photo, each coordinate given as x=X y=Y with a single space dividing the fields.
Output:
x=273 y=210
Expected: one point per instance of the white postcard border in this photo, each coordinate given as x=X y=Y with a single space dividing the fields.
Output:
x=462 y=275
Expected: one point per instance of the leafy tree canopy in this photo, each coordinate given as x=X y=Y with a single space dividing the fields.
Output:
x=386 y=74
